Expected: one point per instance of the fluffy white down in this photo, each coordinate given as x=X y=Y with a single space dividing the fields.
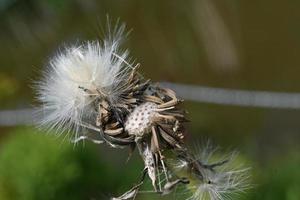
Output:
x=226 y=181
x=76 y=76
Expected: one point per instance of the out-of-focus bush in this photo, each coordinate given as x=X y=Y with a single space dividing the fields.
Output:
x=8 y=86
x=280 y=181
x=34 y=166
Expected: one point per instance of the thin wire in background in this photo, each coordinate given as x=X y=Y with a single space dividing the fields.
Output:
x=200 y=94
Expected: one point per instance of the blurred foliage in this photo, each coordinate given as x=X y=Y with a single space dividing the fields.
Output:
x=279 y=180
x=8 y=86
x=36 y=166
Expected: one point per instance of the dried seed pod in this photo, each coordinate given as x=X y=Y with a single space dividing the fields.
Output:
x=93 y=88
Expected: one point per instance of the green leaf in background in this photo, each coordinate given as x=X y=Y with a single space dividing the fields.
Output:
x=8 y=86
x=279 y=181
x=37 y=166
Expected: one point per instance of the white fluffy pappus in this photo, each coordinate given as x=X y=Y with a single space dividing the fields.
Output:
x=221 y=184
x=76 y=77
x=224 y=176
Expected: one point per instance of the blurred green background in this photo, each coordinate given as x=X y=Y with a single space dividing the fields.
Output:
x=251 y=45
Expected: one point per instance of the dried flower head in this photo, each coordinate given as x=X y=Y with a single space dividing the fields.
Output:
x=93 y=87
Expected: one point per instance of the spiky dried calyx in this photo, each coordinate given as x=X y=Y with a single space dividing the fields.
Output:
x=154 y=124
x=125 y=121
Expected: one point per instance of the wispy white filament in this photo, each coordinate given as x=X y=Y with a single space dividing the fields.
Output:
x=224 y=181
x=223 y=176
x=76 y=77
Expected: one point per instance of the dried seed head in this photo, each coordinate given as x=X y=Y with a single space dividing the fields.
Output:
x=93 y=86
x=139 y=122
